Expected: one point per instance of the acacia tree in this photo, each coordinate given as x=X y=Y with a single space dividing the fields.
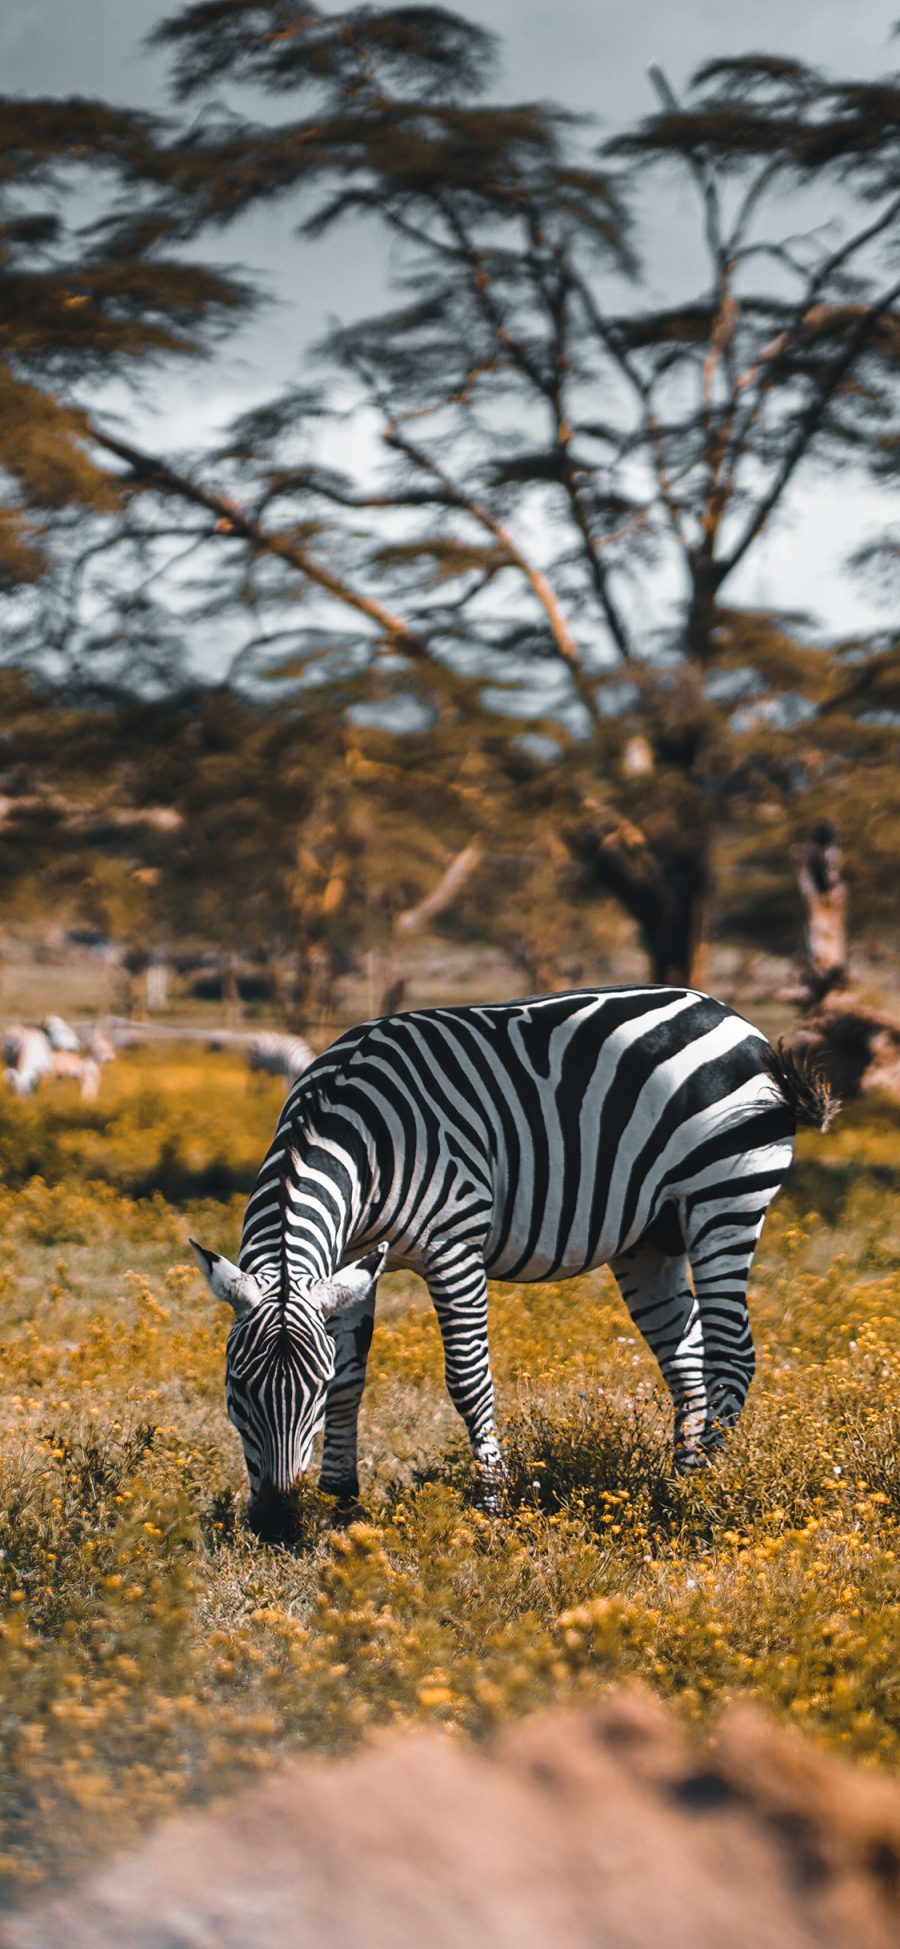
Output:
x=550 y=441
x=289 y=835
x=93 y=287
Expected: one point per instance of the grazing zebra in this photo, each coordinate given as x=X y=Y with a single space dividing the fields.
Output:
x=56 y=1051
x=642 y=1128
x=279 y=1055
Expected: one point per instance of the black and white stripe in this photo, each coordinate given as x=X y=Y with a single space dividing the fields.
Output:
x=28 y=1057
x=272 y=1054
x=642 y=1128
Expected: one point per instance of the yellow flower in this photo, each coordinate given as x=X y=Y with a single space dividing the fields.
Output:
x=434 y=1695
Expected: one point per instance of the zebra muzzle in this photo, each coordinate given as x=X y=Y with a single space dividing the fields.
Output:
x=273 y=1515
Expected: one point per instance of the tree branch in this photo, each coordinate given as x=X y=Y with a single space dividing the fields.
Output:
x=558 y=311
x=548 y=388
x=807 y=428
x=566 y=647
x=702 y=173
x=449 y=885
x=785 y=341
x=231 y=520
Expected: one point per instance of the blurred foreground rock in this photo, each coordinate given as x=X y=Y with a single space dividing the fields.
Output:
x=603 y=1828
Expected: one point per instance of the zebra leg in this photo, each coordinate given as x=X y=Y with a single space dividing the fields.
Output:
x=351 y=1332
x=656 y=1289
x=721 y=1248
x=458 y=1288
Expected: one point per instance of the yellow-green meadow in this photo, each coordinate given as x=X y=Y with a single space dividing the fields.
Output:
x=152 y=1652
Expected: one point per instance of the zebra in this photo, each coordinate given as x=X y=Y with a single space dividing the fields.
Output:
x=75 y=1066
x=644 y=1128
x=56 y=1051
x=60 y=1034
x=279 y=1055
x=27 y=1056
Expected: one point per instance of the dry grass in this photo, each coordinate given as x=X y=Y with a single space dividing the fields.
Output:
x=152 y=1653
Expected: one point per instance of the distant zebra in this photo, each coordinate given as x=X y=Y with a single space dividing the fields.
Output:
x=76 y=1066
x=643 y=1128
x=60 y=1034
x=27 y=1056
x=279 y=1055
x=99 y=1046
x=54 y=1051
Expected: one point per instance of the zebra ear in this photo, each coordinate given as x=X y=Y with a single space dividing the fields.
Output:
x=227 y=1281
x=354 y=1283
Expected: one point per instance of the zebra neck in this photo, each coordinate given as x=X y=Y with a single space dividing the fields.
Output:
x=306 y=1205
x=323 y=1200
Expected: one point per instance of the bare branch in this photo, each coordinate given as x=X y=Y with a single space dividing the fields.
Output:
x=808 y=425
x=566 y=647
x=559 y=313
x=772 y=357
x=703 y=175
x=548 y=386
x=232 y=520
x=449 y=886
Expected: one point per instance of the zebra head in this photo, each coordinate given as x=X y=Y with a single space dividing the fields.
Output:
x=280 y=1359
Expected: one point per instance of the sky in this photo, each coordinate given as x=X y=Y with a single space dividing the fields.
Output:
x=591 y=55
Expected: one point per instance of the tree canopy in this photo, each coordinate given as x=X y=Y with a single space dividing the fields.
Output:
x=540 y=437
x=93 y=287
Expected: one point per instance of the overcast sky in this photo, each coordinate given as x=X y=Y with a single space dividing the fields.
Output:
x=590 y=55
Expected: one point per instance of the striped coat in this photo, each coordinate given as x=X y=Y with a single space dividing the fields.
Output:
x=643 y=1128
x=28 y=1057
x=274 y=1054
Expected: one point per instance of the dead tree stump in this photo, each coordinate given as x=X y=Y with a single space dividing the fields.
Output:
x=859 y=1046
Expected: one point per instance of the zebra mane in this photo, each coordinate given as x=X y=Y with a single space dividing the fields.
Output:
x=310 y=1098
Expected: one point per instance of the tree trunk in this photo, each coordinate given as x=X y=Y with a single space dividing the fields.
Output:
x=858 y=1046
x=230 y=991
x=675 y=927
x=134 y=963
x=666 y=891
x=448 y=888
x=157 y=983
x=702 y=615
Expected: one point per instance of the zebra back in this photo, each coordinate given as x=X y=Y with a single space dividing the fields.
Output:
x=274 y=1054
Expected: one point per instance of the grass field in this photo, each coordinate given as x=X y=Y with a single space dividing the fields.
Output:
x=152 y=1653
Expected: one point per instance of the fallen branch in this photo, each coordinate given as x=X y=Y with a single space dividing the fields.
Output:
x=449 y=886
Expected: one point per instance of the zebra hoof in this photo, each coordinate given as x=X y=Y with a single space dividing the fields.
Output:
x=345 y=1488
x=493 y=1495
x=689 y=1460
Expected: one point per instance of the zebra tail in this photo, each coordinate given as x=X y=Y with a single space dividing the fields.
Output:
x=801 y=1081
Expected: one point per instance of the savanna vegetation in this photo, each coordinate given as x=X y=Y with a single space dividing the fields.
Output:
x=502 y=655
x=153 y=1653
x=292 y=834
x=542 y=440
